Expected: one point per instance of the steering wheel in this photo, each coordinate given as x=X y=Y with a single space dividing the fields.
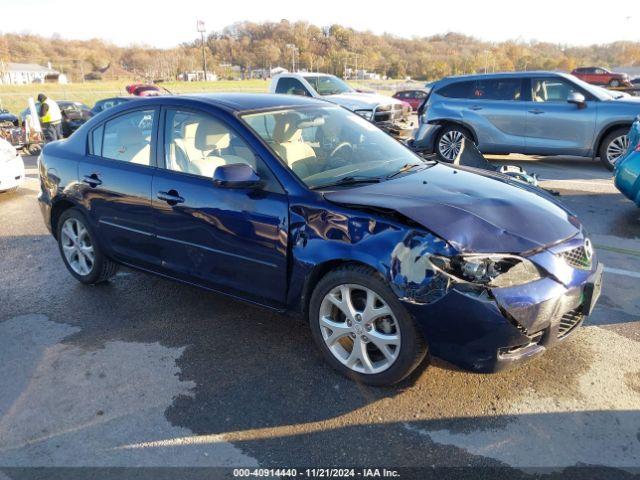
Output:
x=339 y=148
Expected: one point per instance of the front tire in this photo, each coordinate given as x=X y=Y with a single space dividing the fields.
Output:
x=449 y=142
x=613 y=146
x=362 y=329
x=614 y=83
x=80 y=252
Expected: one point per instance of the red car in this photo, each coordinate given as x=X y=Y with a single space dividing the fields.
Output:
x=412 y=97
x=602 y=76
x=143 y=90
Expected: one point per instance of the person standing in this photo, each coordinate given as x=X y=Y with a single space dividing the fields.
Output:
x=50 y=118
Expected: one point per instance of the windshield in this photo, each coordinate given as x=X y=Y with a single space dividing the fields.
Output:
x=325 y=146
x=326 y=85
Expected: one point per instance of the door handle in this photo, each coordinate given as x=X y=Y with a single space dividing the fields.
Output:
x=92 y=180
x=171 y=197
x=536 y=112
x=475 y=107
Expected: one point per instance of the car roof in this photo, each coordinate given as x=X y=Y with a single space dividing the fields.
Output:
x=480 y=76
x=237 y=102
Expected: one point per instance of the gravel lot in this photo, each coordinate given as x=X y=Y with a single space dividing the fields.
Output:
x=147 y=372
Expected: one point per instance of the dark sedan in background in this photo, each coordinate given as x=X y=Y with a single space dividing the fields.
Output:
x=302 y=206
x=74 y=114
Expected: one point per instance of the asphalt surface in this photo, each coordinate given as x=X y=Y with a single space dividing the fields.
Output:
x=146 y=372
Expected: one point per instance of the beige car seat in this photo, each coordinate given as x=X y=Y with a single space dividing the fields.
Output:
x=130 y=146
x=290 y=146
x=540 y=95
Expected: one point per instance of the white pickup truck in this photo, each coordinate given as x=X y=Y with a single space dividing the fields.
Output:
x=387 y=113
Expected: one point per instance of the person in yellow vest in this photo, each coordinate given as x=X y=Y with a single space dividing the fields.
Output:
x=50 y=118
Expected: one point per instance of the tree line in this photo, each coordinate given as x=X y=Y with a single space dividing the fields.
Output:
x=334 y=49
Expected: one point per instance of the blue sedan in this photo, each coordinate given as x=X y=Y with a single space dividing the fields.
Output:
x=627 y=173
x=304 y=207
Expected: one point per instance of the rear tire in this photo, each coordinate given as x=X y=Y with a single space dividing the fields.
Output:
x=378 y=322
x=449 y=142
x=613 y=146
x=80 y=251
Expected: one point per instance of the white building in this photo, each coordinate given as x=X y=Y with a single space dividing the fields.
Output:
x=25 y=73
x=267 y=73
x=197 y=76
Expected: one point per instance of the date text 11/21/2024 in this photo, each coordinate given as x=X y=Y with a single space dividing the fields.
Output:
x=317 y=472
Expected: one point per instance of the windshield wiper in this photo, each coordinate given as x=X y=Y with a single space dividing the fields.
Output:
x=405 y=168
x=350 y=180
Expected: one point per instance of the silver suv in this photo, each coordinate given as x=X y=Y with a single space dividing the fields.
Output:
x=538 y=113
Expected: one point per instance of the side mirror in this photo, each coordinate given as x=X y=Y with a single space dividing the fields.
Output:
x=577 y=99
x=300 y=91
x=236 y=175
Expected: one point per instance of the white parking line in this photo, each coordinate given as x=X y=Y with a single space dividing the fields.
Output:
x=618 y=271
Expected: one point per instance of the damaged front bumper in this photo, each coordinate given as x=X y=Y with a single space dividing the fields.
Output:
x=487 y=329
x=401 y=129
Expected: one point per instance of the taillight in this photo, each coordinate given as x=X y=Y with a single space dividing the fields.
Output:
x=637 y=149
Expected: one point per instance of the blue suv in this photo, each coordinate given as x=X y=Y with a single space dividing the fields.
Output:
x=537 y=113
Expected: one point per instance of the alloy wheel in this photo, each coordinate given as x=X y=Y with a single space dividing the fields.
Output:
x=450 y=144
x=359 y=329
x=617 y=148
x=77 y=247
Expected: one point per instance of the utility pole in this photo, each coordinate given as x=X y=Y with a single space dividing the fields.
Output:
x=202 y=30
x=294 y=49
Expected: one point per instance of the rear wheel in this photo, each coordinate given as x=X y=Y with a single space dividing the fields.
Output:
x=613 y=146
x=80 y=252
x=449 y=142
x=362 y=329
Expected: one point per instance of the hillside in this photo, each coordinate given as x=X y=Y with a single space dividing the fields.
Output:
x=330 y=49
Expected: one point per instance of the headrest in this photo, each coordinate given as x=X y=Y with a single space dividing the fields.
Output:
x=128 y=135
x=189 y=130
x=212 y=135
x=287 y=128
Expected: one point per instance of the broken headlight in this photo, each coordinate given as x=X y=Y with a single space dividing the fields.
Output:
x=497 y=271
x=366 y=114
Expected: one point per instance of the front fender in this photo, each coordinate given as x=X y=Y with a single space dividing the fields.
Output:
x=325 y=237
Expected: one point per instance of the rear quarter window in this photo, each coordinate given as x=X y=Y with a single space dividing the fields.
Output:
x=458 y=90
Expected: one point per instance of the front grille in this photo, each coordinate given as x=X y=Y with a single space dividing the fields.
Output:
x=396 y=113
x=577 y=258
x=569 y=321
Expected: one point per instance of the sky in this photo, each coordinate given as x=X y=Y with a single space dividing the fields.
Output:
x=167 y=23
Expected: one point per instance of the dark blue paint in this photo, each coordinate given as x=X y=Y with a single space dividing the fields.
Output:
x=269 y=245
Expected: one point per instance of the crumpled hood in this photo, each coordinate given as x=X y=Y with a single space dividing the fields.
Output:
x=475 y=212
x=357 y=100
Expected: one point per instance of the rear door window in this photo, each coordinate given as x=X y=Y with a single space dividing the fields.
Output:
x=498 y=89
x=127 y=138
